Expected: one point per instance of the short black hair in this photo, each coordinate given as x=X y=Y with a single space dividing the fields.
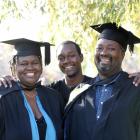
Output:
x=71 y=42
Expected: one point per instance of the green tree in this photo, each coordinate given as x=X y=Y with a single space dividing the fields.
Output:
x=60 y=20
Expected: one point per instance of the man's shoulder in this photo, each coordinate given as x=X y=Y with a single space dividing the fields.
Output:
x=126 y=82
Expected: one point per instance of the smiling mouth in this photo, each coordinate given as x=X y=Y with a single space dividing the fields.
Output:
x=105 y=60
x=68 y=68
x=30 y=74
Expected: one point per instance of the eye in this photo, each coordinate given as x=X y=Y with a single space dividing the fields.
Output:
x=23 y=64
x=99 y=49
x=36 y=62
x=112 y=49
x=71 y=55
x=61 y=58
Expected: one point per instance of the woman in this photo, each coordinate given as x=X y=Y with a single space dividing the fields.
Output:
x=29 y=111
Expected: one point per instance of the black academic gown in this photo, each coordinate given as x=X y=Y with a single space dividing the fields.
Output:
x=14 y=119
x=120 y=118
x=64 y=90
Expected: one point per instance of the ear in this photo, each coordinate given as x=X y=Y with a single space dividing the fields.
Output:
x=123 y=54
x=41 y=68
x=81 y=57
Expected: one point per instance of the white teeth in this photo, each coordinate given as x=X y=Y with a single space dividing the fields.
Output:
x=105 y=60
x=30 y=74
x=69 y=67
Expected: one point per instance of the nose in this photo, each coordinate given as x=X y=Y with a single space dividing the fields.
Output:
x=66 y=60
x=104 y=51
x=30 y=67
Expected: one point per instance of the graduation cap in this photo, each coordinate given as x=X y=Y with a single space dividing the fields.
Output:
x=26 y=47
x=116 y=33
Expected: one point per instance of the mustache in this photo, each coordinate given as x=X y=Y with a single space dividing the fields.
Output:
x=105 y=56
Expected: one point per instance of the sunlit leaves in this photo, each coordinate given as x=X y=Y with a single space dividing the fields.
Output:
x=59 y=20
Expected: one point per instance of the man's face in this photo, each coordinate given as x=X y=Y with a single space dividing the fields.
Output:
x=69 y=60
x=108 y=57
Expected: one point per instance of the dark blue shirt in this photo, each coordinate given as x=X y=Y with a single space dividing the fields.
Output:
x=103 y=93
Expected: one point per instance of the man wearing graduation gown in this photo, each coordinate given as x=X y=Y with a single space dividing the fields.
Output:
x=109 y=107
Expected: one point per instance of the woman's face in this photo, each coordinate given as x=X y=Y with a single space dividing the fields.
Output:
x=28 y=69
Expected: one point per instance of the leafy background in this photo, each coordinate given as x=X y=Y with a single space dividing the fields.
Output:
x=59 y=20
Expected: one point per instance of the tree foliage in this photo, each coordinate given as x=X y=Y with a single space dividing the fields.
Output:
x=59 y=20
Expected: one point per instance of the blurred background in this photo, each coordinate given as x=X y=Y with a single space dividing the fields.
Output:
x=59 y=20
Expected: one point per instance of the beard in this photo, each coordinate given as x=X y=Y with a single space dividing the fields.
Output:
x=103 y=68
x=108 y=70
